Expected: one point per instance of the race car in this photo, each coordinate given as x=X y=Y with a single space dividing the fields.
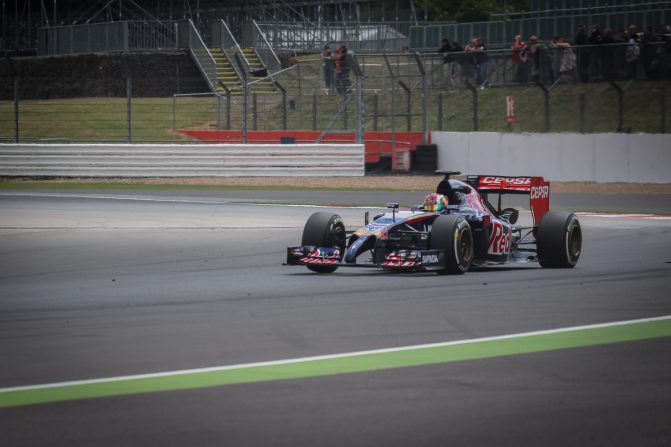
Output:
x=454 y=230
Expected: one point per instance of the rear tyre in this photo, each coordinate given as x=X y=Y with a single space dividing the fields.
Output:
x=559 y=240
x=324 y=230
x=453 y=234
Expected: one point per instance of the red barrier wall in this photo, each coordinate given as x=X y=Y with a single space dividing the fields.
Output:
x=376 y=143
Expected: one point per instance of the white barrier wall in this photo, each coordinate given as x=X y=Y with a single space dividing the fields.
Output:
x=629 y=158
x=181 y=160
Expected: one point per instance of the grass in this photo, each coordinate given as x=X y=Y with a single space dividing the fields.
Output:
x=159 y=119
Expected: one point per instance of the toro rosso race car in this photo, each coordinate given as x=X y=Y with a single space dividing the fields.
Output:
x=455 y=229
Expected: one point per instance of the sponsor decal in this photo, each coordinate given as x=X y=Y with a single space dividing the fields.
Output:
x=430 y=259
x=503 y=181
x=500 y=239
x=402 y=259
x=321 y=256
x=540 y=192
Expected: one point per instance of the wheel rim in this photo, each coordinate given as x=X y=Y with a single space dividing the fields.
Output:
x=338 y=237
x=465 y=246
x=574 y=242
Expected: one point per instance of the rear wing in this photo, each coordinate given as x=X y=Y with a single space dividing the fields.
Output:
x=537 y=188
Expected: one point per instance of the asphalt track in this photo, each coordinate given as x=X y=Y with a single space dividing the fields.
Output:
x=110 y=284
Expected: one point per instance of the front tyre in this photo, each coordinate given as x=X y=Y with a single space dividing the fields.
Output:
x=324 y=230
x=453 y=234
x=559 y=240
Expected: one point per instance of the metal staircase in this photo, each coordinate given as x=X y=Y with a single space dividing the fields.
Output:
x=234 y=65
x=255 y=65
x=228 y=80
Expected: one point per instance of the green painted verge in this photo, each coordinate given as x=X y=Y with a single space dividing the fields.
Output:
x=357 y=362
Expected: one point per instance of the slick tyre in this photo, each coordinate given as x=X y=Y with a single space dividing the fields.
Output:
x=453 y=234
x=324 y=230
x=559 y=240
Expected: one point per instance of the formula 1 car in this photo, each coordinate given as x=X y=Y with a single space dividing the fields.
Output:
x=456 y=228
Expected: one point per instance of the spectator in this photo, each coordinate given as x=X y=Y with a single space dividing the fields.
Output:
x=584 y=53
x=556 y=54
x=567 y=69
x=665 y=51
x=649 y=48
x=478 y=57
x=608 y=55
x=343 y=84
x=329 y=69
x=539 y=61
x=445 y=51
x=620 y=53
x=595 y=39
x=631 y=58
x=459 y=56
x=520 y=60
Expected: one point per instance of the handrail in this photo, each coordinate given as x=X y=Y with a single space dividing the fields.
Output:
x=102 y=37
x=209 y=76
x=597 y=9
x=376 y=36
x=227 y=41
x=266 y=53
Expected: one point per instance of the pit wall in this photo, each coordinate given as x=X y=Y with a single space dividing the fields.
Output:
x=601 y=158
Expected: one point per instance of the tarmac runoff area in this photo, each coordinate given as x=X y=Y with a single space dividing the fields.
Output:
x=140 y=317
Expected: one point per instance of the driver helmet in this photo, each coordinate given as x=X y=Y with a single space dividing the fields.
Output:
x=435 y=202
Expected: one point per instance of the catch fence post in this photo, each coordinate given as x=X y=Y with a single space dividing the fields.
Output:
x=218 y=112
x=583 y=108
x=16 y=110
x=425 y=98
x=408 y=105
x=314 y=111
x=129 y=92
x=663 y=111
x=245 y=91
x=474 y=92
x=228 y=110
x=440 y=111
x=620 y=97
x=546 y=103
x=393 y=102
x=254 y=112
x=375 y=112
x=284 y=103
x=174 y=114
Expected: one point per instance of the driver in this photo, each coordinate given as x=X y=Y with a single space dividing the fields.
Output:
x=435 y=202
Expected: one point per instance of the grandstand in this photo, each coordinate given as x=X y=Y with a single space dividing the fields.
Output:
x=228 y=40
x=21 y=19
x=301 y=25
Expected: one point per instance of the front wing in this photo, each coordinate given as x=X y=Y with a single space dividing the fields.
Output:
x=395 y=259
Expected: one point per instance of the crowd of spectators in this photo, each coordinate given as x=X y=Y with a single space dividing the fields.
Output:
x=591 y=56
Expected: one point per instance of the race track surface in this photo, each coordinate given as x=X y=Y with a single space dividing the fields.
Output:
x=100 y=285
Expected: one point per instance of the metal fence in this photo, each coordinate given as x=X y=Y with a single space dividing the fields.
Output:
x=556 y=22
x=362 y=36
x=128 y=35
x=397 y=92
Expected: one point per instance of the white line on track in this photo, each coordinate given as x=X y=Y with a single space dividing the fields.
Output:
x=287 y=205
x=205 y=202
x=335 y=356
x=626 y=216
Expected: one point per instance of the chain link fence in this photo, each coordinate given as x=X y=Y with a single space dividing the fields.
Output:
x=400 y=92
